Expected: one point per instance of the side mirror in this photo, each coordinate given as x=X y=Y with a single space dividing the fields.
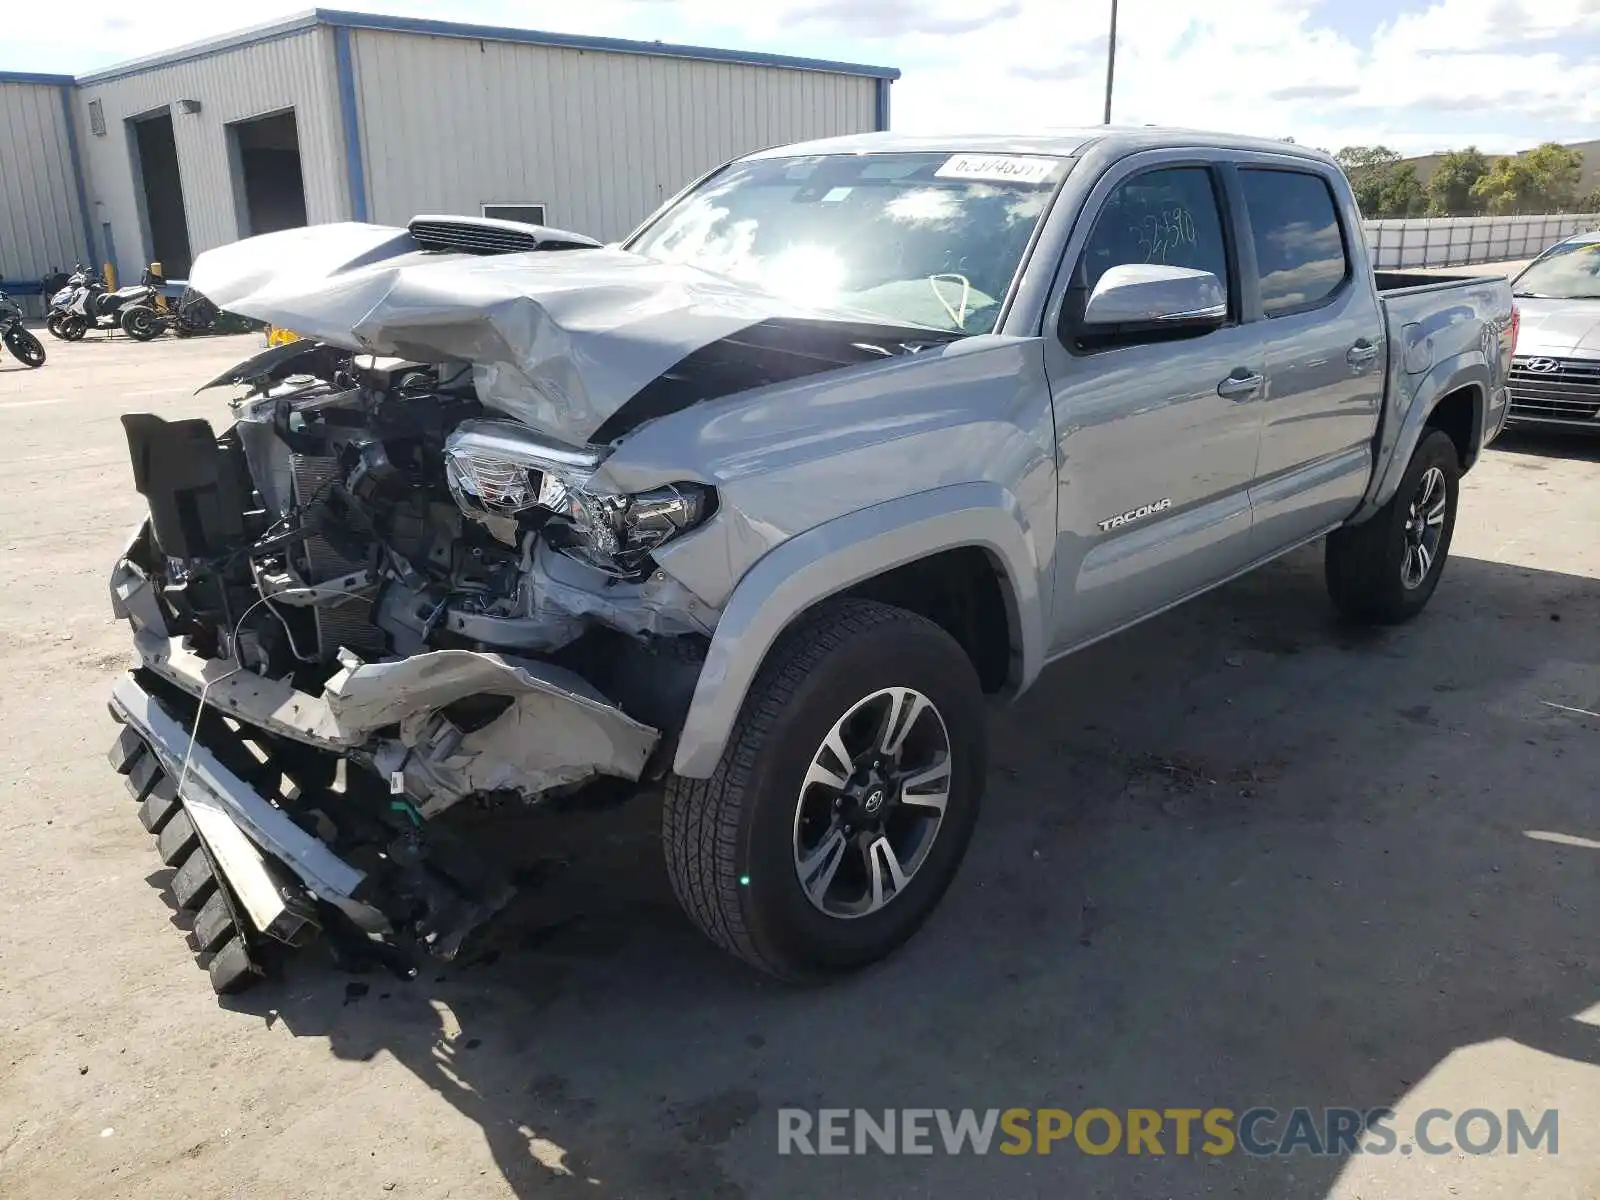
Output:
x=1156 y=296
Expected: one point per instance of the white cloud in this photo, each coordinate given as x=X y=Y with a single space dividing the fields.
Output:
x=1486 y=25
x=1501 y=73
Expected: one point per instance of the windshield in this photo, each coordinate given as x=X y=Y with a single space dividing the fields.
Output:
x=915 y=239
x=1569 y=272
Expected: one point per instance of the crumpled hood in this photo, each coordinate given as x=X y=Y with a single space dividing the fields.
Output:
x=1559 y=328
x=559 y=339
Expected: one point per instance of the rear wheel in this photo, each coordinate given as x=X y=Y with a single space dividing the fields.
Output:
x=28 y=349
x=844 y=801
x=1384 y=570
x=140 y=323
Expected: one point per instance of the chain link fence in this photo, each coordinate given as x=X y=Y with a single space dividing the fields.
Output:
x=1464 y=241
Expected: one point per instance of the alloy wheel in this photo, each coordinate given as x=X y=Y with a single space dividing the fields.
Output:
x=1424 y=528
x=872 y=803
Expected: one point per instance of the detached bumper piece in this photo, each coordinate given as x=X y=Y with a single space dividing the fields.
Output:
x=229 y=848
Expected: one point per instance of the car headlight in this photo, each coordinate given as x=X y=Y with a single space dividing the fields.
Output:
x=499 y=469
x=621 y=531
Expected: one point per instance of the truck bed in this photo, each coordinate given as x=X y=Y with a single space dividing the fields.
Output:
x=1433 y=322
x=1420 y=281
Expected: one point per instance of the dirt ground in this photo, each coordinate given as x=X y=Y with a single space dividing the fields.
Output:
x=1240 y=856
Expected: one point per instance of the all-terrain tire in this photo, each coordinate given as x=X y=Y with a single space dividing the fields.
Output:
x=729 y=840
x=1365 y=562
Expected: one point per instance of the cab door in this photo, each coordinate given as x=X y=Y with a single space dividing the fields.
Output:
x=1325 y=350
x=1157 y=433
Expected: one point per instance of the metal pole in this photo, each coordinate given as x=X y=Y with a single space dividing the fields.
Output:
x=1111 y=60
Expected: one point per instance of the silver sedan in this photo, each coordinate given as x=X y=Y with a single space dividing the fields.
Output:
x=1555 y=377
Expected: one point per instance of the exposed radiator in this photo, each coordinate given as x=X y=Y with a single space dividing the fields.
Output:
x=348 y=624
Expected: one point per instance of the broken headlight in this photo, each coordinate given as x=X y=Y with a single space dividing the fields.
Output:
x=500 y=469
x=615 y=532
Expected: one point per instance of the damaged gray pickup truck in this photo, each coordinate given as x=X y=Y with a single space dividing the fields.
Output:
x=751 y=510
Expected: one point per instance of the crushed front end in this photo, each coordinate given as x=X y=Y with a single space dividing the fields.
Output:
x=367 y=611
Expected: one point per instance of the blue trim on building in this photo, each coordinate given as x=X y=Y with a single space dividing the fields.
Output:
x=30 y=77
x=233 y=41
x=350 y=118
x=340 y=19
x=883 y=105
x=77 y=169
x=534 y=37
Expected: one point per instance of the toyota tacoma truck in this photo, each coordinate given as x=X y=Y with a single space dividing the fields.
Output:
x=750 y=512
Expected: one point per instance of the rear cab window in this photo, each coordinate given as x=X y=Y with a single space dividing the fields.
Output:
x=1302 y=260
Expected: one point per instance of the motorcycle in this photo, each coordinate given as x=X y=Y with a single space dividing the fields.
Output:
x=86 y=303
x=193 y=314
x=15 y=338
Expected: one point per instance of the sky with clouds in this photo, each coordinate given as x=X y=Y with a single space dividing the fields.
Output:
x=1418 y=76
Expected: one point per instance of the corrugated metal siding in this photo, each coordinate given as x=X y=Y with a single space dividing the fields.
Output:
x=39 y=223
x=600 y=139
x=292 y=72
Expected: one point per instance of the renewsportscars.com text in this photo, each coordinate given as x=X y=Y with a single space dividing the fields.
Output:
x=1259 y=1132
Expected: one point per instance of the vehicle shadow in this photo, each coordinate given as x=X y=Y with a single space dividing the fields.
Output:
x=1241 y=856
x=1543 y=444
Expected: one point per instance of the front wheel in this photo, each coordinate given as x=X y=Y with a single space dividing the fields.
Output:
x=28 y=349
x=140 y=323
x=844 y=800
x=70 y=327
x=1384 y=570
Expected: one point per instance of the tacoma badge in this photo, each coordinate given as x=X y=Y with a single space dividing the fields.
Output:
x=1136 y=514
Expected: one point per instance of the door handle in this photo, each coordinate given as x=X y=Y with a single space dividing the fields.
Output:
x=1242 y=384
x=1362 y=353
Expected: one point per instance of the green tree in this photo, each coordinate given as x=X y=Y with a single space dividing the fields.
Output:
x=1449 y=188
x=1384 y=185
x=1401 y=194
x=1389 y=190
x=1354 y=159
x=1589 y=202
x=1541 y=180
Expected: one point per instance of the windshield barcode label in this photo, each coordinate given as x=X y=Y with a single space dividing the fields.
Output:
x=999 y=168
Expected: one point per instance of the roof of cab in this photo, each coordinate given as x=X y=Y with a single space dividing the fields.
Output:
x=1063 y=143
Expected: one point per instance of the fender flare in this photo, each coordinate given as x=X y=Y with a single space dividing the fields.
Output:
x=837 y=555
x=1467 y=370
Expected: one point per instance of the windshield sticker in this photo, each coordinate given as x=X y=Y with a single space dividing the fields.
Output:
x=999 y=168
x=836 y=194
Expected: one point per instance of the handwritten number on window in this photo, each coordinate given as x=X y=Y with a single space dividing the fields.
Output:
x=1163 y=231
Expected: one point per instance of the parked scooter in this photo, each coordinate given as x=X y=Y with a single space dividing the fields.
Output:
x=15 y=338
x=86 y=303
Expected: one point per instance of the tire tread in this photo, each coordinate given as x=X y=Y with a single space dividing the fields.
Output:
x=1356 y=562
x=701 y=818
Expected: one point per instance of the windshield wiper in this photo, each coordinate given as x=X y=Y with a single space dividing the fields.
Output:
x=1530 y=296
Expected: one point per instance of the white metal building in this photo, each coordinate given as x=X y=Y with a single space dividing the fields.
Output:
x=349 y=116
x=44 y=209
